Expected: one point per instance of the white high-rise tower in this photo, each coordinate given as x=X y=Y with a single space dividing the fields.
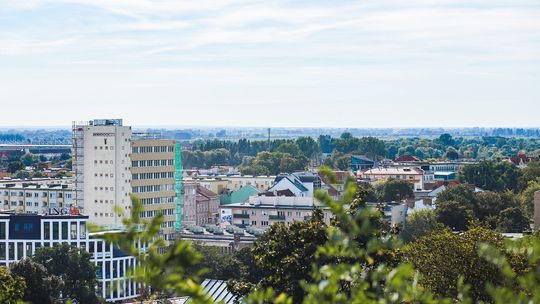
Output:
x=101 y=165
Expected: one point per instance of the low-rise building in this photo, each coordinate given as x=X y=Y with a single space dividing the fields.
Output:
x=228 y=238
x=261 y=183
x=414 y=175
x=207 y=206
x=361 y=162
x=214 y=184
x=37 y=197
x=22 y=234
x=263 y=211
x=189 y=203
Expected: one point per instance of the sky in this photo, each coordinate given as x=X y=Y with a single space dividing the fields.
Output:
x=361 y=64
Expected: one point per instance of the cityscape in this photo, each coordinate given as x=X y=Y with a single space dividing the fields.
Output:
x=281 y=152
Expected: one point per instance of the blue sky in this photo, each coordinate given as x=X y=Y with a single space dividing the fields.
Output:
x=381 y=63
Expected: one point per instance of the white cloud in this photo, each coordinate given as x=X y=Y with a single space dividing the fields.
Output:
x=372 y=53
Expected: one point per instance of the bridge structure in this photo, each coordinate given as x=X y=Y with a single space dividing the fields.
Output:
x=36 y=148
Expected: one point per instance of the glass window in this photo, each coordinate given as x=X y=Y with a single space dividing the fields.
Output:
x=108 y=270
x=73 y=230
x=99 y=270
x=3 y=231
x=29 y=249
x=2 y=251
x=55 y=231
x=64 y=230
x=47 y=230
x=11 y=250
x=82 y=230
x=20 y=250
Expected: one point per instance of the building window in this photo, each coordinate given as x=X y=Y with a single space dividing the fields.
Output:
x=47 y=230
x=56 y=231
x=64 y=230
x=3 y=231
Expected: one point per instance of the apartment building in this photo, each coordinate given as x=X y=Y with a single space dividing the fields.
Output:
x=263 y=211
x=39 y=198
x=153 y=169
x=101 y=165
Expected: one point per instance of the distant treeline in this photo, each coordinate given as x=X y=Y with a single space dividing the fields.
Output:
x=206 y=153
x=11 y=137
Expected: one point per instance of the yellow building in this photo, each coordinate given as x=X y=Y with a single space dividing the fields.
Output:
x=153 y=180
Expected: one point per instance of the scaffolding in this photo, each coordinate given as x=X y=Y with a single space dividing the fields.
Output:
x=77 y=147
x=178 y=186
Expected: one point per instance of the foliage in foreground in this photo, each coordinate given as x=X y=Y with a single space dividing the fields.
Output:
x=165 y=273
x=355 y=264
x=11 y=288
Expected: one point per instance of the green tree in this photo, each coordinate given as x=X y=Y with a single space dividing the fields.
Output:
x=269 y=160
x=289 y=164
x=453 y=214
x=69 y=164
x=527 y=198
x=492 y=176
x=451 y=153
x=289 y=148
x=529 y=174
x=443 y=256
x=419 y=223
x=490 y=204
x=347 y=143
x=215 y=263
x=308 y=146
x=512 y=220
x=396 y=190
x=342 y=163
x=446 y=140
x=165 y=273
x=15 y=166
x=11 y=288
x=41 y=287
x=462 y=194
x=74 y=267
x=29 y=159
x=286 y=252
x=325 y=143
x=21 y=174
x=521 y=283
x=371 y=147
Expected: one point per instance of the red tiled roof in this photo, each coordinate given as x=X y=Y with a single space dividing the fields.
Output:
x=206 y=193
x=407 y=158
x=520 y=159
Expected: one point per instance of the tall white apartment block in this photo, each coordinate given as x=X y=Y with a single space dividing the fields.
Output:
x=101 y=165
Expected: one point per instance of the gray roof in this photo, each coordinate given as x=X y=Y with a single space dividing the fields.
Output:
x=215 y=289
